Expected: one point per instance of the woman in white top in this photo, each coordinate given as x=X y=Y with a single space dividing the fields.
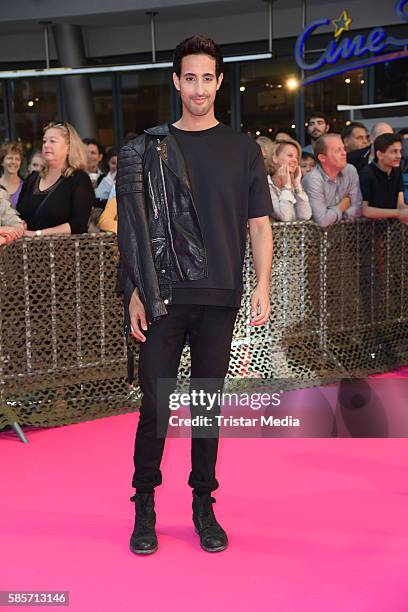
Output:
x=289 y=200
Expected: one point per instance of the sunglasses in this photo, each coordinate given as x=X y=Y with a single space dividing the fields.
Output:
x=52 y=124
x=58 y=124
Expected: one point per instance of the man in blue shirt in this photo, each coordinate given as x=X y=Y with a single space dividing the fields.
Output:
x=332 y=187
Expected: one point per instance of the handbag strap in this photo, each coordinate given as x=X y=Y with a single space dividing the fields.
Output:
x=41 y=204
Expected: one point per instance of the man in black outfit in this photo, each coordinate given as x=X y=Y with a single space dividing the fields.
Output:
x=383 y=198
x=184 y=203
x=381 y=181
x=360 y=158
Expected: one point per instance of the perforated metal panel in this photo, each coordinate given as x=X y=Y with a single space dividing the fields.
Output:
x=62 y=352
x=339 y=308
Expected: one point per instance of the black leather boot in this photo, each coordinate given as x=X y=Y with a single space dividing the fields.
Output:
x=144 y=540
x=212 y=536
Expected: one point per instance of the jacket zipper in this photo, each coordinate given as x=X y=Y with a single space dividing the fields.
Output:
x=168 y=217
x=155 y=210
x=192 y=201
x=189 y=191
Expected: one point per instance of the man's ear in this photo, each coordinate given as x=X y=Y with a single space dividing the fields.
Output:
x=321 y=157
x=176 y=81
x=219 y=80
x=327 y=128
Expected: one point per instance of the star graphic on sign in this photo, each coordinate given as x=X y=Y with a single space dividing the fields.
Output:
x=341 y=24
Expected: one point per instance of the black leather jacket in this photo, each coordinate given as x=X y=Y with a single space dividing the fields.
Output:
x=159 y=235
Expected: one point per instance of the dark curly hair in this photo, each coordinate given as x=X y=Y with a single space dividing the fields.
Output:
x=197 y=45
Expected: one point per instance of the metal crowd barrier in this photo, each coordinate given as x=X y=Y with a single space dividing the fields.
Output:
x=339 y=309
x=62 y=352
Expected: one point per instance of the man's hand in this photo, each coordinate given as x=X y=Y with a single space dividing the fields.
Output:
x=344 y=204
x=260 y=232
x=137 y=314
x=260 y=306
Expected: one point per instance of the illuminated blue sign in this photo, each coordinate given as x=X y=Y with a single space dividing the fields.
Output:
x=347 y=48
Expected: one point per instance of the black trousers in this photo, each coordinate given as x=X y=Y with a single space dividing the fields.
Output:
x=210 y=330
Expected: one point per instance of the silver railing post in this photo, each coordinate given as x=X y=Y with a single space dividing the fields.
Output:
x=152 y=15
x=45 y=24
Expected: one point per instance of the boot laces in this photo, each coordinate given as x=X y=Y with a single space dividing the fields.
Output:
x=207 y=513
x=144 y=515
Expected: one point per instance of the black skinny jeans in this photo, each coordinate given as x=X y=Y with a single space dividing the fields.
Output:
x=210 y=330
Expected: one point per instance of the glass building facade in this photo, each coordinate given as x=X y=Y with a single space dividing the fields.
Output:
x=254 y=96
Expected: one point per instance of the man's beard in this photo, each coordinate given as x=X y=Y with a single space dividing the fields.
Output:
x=316 y=135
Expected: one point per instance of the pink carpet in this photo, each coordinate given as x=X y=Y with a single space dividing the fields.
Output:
x=314 y=524
x=399 y=373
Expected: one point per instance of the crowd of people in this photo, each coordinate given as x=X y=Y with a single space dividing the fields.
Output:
x=69 y=186
x=338 y=176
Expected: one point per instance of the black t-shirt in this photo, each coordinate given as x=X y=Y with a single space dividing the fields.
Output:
x=380 y=189
x=69 y=200
x=359 y=158
x=229 y=186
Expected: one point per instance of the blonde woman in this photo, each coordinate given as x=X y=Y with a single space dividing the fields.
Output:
x=289 y=200
x=267 y=146
x=11 y=158
x=58 y=200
